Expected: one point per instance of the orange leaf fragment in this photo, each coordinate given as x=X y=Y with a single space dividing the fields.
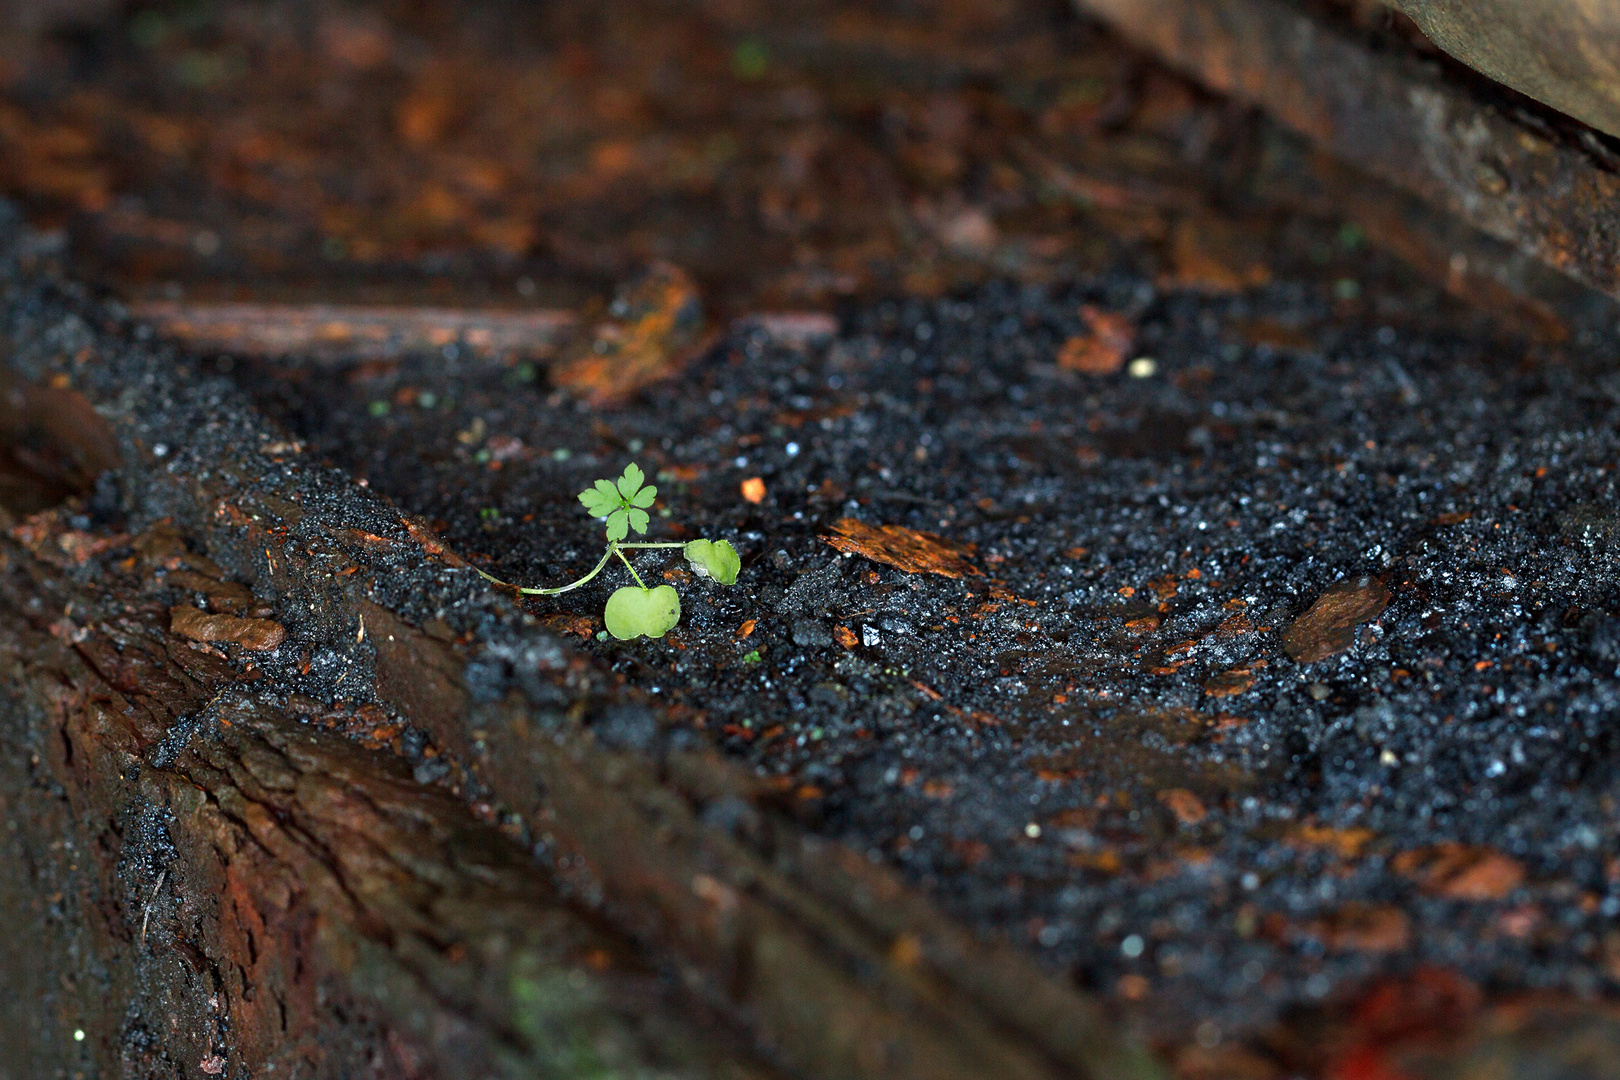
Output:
x=904 y=549
x=753 y=489
x=845 y=637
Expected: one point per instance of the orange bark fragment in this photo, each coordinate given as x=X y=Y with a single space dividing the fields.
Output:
x=904 y=549
x=1101 y=351
x=1461 y=871
x=1184 y=804
x=1328 y=627
x=1346 y=843
x=662 y=327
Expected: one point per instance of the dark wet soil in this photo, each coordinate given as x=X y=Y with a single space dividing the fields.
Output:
x=1101 y=745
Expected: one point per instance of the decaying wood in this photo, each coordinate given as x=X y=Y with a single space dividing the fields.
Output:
x=354 y=332
x=1562 y=52
x=313 y=905
x=1394 y=116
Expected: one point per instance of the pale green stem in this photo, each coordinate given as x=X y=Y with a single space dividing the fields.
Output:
x=626 y=560
x=536 y=591
x=614 y=548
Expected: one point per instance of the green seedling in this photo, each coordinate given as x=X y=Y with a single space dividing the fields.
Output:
x=636 y=610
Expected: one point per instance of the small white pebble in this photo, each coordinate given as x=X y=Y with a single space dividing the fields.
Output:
x=1132 y=946
x=1143 y=367
x=1033 y=831
x=78 y=1034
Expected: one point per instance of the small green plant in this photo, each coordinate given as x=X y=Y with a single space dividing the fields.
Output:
x=636 y=610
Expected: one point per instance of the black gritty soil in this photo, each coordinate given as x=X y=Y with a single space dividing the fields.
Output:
x=1101 y=745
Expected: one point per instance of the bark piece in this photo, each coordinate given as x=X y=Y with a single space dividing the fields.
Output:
x=1396 y=117
x=1328 y=627
x=257 y=634
x=1461 y=871
x=654 y=328
x=1103 y=350
x=353 y=332
x=904 y=549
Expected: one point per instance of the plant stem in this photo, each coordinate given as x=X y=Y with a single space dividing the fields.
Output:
x=536 y=591
x=615 y=549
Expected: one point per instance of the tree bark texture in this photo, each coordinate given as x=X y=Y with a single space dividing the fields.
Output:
x=1509 y=173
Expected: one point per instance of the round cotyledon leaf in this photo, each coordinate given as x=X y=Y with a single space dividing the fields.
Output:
x=635 y=612
x=714 y=559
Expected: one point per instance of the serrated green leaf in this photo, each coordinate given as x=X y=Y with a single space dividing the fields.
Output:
x=635 y=612
x=618 y=524
x=638 y=520
x=714 y=559
x=631 y=480
x=644 y=498
x=601 y=500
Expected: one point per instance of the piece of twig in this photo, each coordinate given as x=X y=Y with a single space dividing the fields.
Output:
x=146 y=914
x=354 y=332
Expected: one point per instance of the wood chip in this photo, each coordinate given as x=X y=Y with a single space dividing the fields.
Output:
x=275 y=331
x=1347 y=843
x=1228 y=683
x=258 y=634
x=1104 y=349
x=904 y=549
x=655 y=328
x=1461 y=871
x=1358 y=927
x=1184 y=804
x=1328 y=628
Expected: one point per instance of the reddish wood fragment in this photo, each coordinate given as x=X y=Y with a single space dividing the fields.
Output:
x=580 y=626
x=1184 y=804
x=904 y=549
x=284 y=330
x=425 y=536
x=1228 y=683
x=1104 y=349
x=845 y=637
x=258 y=634
x=1328 y=627
x=1210 y=255
x=1359 y=927
x=658 y=326
x=1347 y=843
x=1461 y=871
